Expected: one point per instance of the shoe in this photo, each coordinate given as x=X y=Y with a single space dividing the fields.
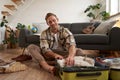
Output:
x=22 y=58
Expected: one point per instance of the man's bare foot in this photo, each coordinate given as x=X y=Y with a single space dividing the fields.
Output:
x=51 y=69
x=47 y=67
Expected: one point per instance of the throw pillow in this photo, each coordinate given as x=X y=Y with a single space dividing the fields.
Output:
x=88 y=30
x=104 y=27
x=96 y=24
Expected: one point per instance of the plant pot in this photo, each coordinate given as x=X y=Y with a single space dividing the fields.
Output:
x=12 y=46
x=1 y=47
x=5 y=46
x=17 y=33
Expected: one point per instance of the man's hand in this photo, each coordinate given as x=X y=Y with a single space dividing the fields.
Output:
x=69 y=61
x=53 y=55
x=57 y=56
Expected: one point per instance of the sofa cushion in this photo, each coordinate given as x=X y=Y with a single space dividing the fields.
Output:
x=76 y=28
x=66 y=25
x=104 y=27
x=91 y=38
x=33 y=39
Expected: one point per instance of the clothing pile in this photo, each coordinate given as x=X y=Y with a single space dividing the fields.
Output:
x=79 y=61
x=13 y=66
x=113 y=62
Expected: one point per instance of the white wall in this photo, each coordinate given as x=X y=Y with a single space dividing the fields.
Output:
x=34 y=11
x=66 y=10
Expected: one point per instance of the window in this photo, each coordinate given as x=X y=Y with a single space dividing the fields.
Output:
x=113 y=6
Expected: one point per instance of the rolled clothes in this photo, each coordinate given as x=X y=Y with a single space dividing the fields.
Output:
x=79 y=61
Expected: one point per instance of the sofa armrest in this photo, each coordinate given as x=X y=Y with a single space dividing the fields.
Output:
x=114 y=37
x=22 y=37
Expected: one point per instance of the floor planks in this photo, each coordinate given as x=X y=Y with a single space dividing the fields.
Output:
x=33 y=72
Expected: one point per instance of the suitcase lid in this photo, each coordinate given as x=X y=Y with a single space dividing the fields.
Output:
x=84 y=69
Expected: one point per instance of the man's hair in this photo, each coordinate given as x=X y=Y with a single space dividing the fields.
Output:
x=48 y=15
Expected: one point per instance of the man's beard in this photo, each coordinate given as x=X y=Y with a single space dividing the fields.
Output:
x=54 y=29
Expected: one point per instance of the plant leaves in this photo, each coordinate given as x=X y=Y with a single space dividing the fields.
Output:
x=87 y=10
x=2 y=24
x=91 y=15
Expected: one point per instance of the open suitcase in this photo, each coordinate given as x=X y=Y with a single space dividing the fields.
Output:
x=84 y=73
x=115 y=69
x=114 y=74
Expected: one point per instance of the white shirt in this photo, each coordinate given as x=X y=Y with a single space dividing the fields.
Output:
x=56 y=44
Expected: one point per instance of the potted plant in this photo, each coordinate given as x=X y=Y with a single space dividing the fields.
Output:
x=11 y=38
x=105 y=15
x=3 y=46
x=3 y=22
x=5 y=43
x=18 y=27
x=94 y=12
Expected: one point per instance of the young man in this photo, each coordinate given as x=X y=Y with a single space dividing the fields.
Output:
x=56 y=42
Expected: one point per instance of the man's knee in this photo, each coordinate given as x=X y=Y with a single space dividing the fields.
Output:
x=32 y=46
x=79 y=52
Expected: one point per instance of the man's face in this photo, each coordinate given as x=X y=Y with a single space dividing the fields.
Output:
x=52 y=22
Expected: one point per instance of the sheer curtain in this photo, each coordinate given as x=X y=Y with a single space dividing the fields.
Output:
x=113 y=6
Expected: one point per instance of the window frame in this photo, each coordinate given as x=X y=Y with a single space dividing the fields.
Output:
x=110 y=3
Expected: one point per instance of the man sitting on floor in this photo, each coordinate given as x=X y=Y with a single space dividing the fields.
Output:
x=56 y=42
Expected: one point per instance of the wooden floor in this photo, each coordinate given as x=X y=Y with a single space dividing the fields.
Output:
x=33 y=72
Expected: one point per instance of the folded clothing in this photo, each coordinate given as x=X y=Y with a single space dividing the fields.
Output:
x=79 y=61
x=12 y=67
x=2 y=62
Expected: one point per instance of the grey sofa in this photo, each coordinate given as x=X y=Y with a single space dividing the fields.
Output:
x=110 y=41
